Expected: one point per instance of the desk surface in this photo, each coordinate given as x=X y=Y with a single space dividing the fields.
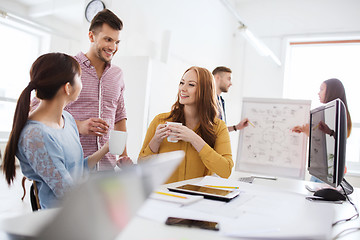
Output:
x=154 y=230
x=140 y=228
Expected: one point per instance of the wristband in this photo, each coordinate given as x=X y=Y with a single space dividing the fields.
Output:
x=234 y=128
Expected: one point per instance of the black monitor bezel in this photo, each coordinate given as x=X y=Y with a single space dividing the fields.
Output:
x=340 y=134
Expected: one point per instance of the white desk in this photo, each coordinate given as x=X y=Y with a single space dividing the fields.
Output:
x=140 y=228
x=144 y=229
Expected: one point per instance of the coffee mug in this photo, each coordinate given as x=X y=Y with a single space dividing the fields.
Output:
x=117 y=142
x=170 y=138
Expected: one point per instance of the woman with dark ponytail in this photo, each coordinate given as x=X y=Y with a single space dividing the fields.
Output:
x=330 y=90
x=46 y=142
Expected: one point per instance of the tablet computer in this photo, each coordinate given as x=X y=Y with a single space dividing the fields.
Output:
x=207 y=192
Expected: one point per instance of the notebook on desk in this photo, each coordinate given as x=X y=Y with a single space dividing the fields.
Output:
x=101 y=207
x=214 y=192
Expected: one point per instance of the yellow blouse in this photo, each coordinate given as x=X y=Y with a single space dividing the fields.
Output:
x=195 y=164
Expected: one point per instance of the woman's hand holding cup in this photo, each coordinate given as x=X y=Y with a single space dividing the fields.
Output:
x=171 y=137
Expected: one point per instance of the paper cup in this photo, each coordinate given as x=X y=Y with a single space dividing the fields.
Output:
x=170 y=137
x=117 y=142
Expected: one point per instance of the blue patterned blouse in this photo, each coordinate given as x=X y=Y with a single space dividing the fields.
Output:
x=52 y=157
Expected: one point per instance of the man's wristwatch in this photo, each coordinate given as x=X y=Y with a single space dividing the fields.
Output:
x=234 y=128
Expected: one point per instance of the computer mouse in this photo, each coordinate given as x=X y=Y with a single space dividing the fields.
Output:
x=330 y=194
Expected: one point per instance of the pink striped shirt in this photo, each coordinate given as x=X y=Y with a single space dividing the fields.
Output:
x=102 y=98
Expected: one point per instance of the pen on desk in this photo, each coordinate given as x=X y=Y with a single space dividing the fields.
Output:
x=171 y=195
x=221 y=187
x=251 y=123
x=265 y=177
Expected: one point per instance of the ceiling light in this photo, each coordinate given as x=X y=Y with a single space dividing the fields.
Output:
x=260 y=47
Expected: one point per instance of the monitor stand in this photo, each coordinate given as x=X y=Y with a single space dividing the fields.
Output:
x=347 y=187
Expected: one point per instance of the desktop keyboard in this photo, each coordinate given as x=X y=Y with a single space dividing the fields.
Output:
x=246 y=179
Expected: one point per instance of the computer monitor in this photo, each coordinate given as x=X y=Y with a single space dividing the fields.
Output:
x=327 y=142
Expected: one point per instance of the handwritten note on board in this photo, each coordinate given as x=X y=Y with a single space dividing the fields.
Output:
x=270 y=147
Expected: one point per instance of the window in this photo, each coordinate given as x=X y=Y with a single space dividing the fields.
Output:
x=309 y=63
x=20 y=45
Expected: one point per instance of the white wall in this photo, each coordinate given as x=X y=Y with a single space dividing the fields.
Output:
x=273 y=21
x=177 y=34
x=276 y=20
x=171 y=33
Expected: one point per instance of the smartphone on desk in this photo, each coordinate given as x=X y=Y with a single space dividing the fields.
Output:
x=192 y=223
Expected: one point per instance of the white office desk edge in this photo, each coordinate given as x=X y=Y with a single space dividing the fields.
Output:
x=141 y=228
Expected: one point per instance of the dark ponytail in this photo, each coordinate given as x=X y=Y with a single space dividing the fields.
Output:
x=48 y=73
x=20 y=118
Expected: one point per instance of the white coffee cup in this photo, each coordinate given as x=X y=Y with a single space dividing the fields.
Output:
x=117 y=142
x=170 y=138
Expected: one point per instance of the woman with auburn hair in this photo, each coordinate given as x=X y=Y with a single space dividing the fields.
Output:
x=46 y=142
x=201 y=135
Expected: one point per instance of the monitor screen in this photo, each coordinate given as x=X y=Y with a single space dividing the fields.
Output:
x=327 y=142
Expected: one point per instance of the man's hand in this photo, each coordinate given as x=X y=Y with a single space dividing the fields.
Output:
x=92 y=126
x=242 y=124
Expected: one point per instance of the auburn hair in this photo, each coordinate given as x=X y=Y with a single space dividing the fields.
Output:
x=205 y=104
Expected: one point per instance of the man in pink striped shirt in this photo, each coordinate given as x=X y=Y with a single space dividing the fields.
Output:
x=100 y=106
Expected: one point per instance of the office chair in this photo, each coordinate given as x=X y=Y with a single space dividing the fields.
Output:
x=34 y=197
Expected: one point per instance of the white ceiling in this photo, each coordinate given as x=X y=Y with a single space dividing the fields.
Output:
x=269 y=18
x=66 y=11
x=264 y=17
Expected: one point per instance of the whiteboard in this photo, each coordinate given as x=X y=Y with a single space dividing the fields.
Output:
x=270 y=147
